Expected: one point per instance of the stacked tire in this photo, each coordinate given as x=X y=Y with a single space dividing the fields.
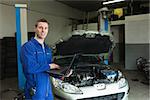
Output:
x=9 y=57
x=1 y=62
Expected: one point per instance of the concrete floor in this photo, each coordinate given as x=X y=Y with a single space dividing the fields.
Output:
x=138 y=90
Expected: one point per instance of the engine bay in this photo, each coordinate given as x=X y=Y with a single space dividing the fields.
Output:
x=90 y=74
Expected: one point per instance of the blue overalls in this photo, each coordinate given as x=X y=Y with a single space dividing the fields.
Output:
x=35 y=61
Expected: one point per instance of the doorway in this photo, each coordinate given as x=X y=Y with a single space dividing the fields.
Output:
x=118 y=32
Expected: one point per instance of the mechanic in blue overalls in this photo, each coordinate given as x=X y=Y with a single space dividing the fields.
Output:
x=36 y=58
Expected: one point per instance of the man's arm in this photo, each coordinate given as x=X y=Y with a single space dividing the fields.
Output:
x=28 y=58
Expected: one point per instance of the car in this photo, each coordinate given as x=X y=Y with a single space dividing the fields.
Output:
x=84 y=73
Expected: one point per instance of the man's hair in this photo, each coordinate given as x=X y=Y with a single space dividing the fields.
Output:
x=41 y=20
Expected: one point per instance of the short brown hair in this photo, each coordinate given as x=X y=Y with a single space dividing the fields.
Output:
x=41 y=20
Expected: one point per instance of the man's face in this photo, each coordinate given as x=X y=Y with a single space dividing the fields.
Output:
x=41 y=30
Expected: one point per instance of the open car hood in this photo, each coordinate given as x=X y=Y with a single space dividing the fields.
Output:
x=81 y=64
x=85 y=42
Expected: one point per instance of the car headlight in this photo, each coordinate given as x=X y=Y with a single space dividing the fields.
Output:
x=122 y=82
x=120 y=75
x=66 y=87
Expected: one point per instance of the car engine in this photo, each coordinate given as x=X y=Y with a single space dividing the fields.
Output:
x=87 y=75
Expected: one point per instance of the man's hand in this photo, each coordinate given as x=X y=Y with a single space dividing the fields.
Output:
x=67 y=75
x=54 y=66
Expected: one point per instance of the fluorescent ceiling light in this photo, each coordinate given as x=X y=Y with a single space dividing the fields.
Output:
x=114 y=1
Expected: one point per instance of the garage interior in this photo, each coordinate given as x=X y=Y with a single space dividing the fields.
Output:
x=131 y=36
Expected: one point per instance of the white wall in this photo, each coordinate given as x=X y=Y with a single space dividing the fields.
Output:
x=137 y=29
x=91 y=26
x=137 y=39
x=57 y=14
x=7 y=21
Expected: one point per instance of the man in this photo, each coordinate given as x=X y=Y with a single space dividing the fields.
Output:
x=36 y=58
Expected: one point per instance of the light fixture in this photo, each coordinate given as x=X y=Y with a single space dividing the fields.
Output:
x=114 y=1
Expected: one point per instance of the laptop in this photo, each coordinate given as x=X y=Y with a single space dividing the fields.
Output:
x=57 y=72
x=63 y=71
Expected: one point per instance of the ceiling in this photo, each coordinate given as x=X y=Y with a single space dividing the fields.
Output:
x=130 y=7
x=89 y=5
x=83 y=5
x=94 y=5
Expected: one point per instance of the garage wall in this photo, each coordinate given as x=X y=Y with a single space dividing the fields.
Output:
x=7 y=21
x=59 y=16
x=90 y=26
x=137 y=39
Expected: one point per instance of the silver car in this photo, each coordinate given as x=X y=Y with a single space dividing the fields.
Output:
x=84 y=73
